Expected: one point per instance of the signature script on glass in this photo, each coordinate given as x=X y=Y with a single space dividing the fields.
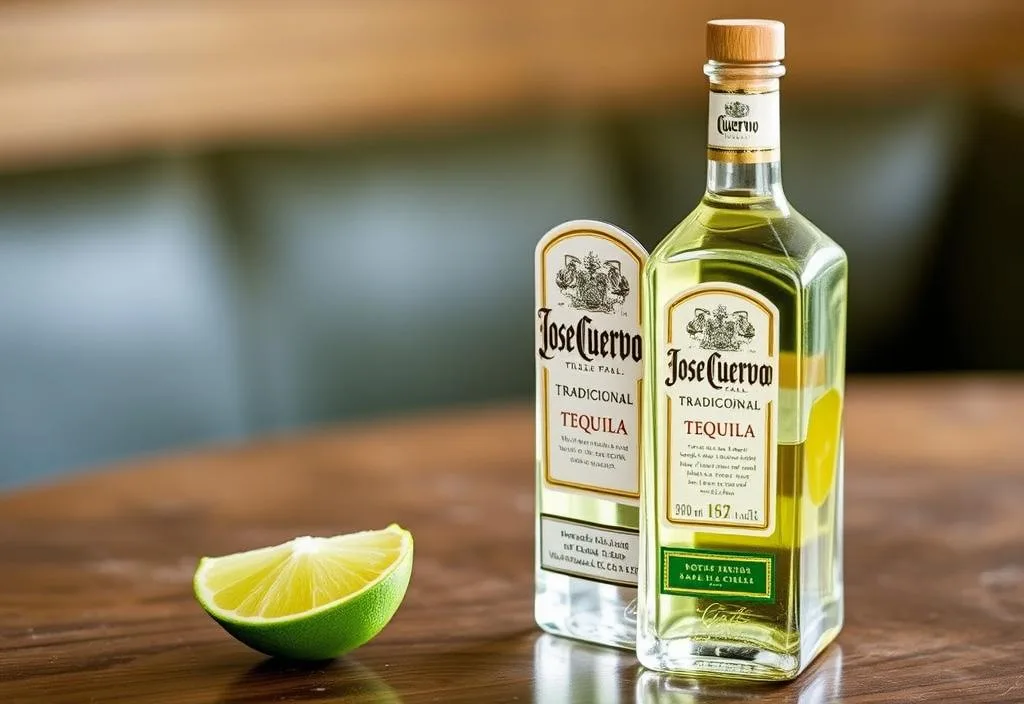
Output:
x=722 y=615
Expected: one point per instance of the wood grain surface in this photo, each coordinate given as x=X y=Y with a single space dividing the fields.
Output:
x=93 y=78
x=96 y=603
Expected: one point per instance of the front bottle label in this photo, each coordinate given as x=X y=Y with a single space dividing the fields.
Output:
x=589 y=352
x=720 y=379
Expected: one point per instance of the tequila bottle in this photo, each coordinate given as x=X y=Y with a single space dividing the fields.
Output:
x=744 y=315
x=589 y=352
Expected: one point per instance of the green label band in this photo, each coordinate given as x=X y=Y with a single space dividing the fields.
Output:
x=732 y=576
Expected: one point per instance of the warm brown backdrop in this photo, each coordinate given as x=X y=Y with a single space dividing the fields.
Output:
x=92 y=77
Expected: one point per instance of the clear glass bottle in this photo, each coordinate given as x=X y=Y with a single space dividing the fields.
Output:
x=589 y=351
x=745 y=314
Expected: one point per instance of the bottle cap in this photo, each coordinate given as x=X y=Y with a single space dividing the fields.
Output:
x=746 y=41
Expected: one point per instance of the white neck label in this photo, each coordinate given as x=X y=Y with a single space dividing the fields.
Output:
x=743 y=122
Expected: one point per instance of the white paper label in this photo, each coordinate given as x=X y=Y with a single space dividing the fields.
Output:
x=743 y=122
x=589 y=551
x=589 y=352
x=720 y=378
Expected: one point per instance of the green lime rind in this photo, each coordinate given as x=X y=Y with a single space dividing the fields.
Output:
x=328 y=631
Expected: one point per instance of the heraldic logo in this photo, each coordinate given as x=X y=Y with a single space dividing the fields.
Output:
x=591 y=284
x=736 y=109
x=720 y=330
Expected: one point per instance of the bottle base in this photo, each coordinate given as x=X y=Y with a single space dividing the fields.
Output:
x=820 y=683
x=710 y=658
x=705 y=656
x=594 y=612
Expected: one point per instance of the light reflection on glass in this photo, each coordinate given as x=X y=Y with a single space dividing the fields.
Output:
x=573 y=672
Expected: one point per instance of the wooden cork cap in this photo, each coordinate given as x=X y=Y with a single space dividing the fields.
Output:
x=746 y=41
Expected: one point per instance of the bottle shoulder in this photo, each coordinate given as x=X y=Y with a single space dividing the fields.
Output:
x=821 y=239
x=767 y=232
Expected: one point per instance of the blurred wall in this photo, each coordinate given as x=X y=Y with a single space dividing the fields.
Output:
x=170 y=297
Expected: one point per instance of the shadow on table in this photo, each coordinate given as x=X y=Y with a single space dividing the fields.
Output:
x=567 y=671
x=571 y=672
x=285 y=680
x=564 y=672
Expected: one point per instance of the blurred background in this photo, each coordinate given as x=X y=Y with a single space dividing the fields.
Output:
x=222 y=218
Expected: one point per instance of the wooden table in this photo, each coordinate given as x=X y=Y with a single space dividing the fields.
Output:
x=96 y=602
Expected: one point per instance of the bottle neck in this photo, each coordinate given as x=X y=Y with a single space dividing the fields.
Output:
x=743 y=130
x=761 y=180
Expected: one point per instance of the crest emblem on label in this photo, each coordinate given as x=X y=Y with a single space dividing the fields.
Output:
x=736 y=109
x=721 y=329
x=593 y=284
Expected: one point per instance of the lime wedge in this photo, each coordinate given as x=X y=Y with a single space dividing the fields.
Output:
x=309 y=598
